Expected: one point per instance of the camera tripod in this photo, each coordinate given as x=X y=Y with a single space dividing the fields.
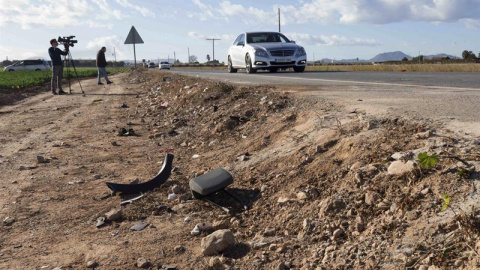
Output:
x=69 y=62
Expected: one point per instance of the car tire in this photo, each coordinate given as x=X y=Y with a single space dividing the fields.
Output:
x=273 y=70
x=38 y=69
x=11 y=70
x=248 y=65
x=230 y=66
x=298 y=69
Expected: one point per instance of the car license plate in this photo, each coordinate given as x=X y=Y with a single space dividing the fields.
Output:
x=283 y=60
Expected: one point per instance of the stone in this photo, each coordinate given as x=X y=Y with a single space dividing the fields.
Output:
x=221 y=225
x=337 y=233
x=330 y=206
x=371 y=197
x=195 y=231
x=425 y=191
x=284 y=200
x=139 y=226
x=176 y=189
x=423 y=135
x=113 y=215
x=302 y=195
x=41 y=159
x=423 y=267
x=92 y=264
x=282 y=266
x=218 y=241
x=142 y=263
x=269 y=231
x=398 y=167
x=179 y=249
x=100 y=222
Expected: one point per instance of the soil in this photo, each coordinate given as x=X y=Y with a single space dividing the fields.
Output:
x=318 y=180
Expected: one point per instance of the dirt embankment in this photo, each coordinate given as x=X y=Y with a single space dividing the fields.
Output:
x=327 y=189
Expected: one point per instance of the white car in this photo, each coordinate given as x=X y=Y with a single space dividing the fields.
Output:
x=36 y=65
x=265 y=50
x=164 y=65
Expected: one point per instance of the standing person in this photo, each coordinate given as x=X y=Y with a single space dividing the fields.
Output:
x=101 y=64
x=57 y=63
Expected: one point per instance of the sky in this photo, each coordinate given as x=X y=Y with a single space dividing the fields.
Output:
x=335 y=29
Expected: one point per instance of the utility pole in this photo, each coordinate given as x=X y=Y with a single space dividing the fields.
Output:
x=115 y=57
x=174 y=57
x=188 y=55
x=279 y=20
x=213 y=42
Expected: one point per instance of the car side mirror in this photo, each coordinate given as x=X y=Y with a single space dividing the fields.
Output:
x=240 y=44
x=293 y=41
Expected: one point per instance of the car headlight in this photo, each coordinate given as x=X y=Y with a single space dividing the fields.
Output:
x=261 y=52
x=300 y=51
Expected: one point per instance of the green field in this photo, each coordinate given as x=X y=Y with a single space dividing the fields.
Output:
x=24 y=79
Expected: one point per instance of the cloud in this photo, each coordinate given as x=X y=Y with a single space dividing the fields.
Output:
x=13 y=53
x=225 y=38
x=347 y=12
x=110 y=42
x=144 y=11
x=333 y=40
x=54 y=13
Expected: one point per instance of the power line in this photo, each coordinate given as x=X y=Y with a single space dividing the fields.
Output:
x=213 y=42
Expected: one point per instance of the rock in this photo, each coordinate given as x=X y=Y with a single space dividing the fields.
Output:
x=172 y=196
x=425 y=191
x=216 y=263
x=284 y=200
x=301 y=195
x=371 y=197
x=170 y=267
x=41 y=159
x=8 y=221
x=307 y=224
x=269 y=231
x=221 y=225
x=217 y=242
x=423 y=135
x=139 y=226
x=113 y=215
x=92 y=264
x=263 y=188
x=187 y=219
x=355 y=166
x=423 y=267
x=337 y=233
x=400 y=155
x=100 y=222
x=330 y=206
x=399 y=168
x=412 y=215
x=179 y=249
x=196 y=231
x=142 y=263
x=282 y=266
x=176 y=189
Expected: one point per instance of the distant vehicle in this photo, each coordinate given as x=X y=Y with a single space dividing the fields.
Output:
x=36 y=65
x=265 y=50
x=164 y=65
x=151 y=65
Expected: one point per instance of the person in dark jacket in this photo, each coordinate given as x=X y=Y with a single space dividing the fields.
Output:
x=101 y=64
x=57 y=63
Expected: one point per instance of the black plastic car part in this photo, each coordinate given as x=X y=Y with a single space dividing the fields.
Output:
x=159 y=179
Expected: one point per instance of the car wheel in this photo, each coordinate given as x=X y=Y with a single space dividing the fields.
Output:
x=248 y=65
x=38 y=69
x=298 y=69
x=11 y=70
x=230 y=67
x=273 y=70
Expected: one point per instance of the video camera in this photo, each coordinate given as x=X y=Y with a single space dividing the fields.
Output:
x=67 y=40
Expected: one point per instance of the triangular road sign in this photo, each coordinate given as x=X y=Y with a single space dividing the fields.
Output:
x=133 y=37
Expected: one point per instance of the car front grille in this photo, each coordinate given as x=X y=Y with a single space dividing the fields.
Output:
x=282 y=63
x=282 y=53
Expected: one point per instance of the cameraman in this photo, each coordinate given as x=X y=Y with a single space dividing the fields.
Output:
x=57 y=63
x=101 y=64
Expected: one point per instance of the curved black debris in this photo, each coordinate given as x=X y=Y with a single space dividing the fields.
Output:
x=161 y=178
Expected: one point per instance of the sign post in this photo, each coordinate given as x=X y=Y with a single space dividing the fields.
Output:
x=134 y=38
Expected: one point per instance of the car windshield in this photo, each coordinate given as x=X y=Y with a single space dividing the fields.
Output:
x=266 y=37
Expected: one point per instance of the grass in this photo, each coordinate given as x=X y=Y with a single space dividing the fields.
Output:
x=24 y=79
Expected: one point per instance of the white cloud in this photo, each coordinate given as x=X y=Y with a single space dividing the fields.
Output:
x=13 y=53
x=54 y=13
x=110 y=42
x=333 y=40
x=144 y=11
x=347 y=11
x=225 y=38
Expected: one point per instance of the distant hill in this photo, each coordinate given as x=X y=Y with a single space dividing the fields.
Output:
x=390 y=56
x=440 y=55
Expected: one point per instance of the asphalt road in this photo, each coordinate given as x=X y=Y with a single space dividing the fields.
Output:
x=453 y=98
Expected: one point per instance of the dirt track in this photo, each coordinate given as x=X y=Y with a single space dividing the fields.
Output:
x=308 y=167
